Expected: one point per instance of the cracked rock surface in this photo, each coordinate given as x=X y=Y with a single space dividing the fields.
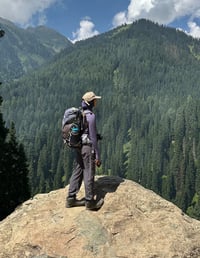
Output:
x=133 y=223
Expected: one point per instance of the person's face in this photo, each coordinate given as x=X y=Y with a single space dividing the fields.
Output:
x=95 y=102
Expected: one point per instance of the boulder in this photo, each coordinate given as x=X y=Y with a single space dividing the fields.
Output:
x=134 y=222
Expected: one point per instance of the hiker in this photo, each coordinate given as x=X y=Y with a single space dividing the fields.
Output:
x=87 y=157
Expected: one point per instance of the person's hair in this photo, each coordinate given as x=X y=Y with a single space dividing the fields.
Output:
x=88 y=105
x=91 y=104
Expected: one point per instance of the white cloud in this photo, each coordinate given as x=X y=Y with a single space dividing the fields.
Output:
x=42 y=19
x=22 y=11
x=162 y=12
x=85 y=31
x=119 y=19
x=194 y=29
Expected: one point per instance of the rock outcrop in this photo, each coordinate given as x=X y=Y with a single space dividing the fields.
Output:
x=133 y=223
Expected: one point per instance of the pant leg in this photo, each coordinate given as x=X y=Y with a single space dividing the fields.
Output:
x=89 y=171
x=77 y=174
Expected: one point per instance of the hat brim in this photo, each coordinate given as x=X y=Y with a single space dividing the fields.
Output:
x=97 y=97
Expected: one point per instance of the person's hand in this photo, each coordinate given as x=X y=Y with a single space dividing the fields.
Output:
x=98 y=162
x=99 y=137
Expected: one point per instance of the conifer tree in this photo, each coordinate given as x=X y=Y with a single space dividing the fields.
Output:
x=14 y=183
x=17 y=170
x=3 y=174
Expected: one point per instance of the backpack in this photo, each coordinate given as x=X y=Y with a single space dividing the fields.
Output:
x=72 y=127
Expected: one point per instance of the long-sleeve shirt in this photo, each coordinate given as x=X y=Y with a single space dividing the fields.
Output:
x=91 y=120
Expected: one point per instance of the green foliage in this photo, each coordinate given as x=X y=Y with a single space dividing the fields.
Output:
x=194 y=209
x=14 y=182
x=149 y=114
x=24 y=50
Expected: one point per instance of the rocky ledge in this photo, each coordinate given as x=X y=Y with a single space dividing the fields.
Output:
x=133 y=223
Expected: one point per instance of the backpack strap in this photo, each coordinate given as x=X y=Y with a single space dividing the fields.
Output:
x=85 y=123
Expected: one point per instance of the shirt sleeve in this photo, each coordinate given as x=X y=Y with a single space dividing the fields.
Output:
x=91 y=119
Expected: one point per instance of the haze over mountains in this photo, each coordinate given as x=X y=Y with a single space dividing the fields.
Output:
x=23 y=50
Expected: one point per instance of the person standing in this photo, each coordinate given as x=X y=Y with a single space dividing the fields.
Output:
x=87 y=158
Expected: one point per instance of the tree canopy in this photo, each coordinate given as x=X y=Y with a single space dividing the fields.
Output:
x=148 y=77
x=14 y=181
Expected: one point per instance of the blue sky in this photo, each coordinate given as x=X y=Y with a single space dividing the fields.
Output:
x=67 y=18
x=80 y=19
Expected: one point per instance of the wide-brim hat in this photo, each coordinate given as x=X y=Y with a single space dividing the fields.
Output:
x=89 y=96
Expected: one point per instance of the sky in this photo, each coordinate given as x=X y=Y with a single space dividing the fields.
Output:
x=81 y=19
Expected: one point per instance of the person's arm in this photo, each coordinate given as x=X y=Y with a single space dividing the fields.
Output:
x=93 y=133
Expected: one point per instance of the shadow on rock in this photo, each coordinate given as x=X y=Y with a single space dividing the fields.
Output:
x=106 y=184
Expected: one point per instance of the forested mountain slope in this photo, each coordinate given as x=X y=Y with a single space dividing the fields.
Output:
x=23 y=50
x=149 y=116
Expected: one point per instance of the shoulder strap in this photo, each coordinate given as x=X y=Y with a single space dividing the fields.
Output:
x=85 y=123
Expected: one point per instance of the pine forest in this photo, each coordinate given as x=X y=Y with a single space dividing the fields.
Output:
x=149 y=115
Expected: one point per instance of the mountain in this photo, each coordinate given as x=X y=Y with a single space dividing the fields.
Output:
x=49 y=38
x=22 y=50
x=133 y=222
x=149 y=114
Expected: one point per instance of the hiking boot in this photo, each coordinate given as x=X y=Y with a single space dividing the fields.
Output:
x=94 y=204
x=73 y=202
